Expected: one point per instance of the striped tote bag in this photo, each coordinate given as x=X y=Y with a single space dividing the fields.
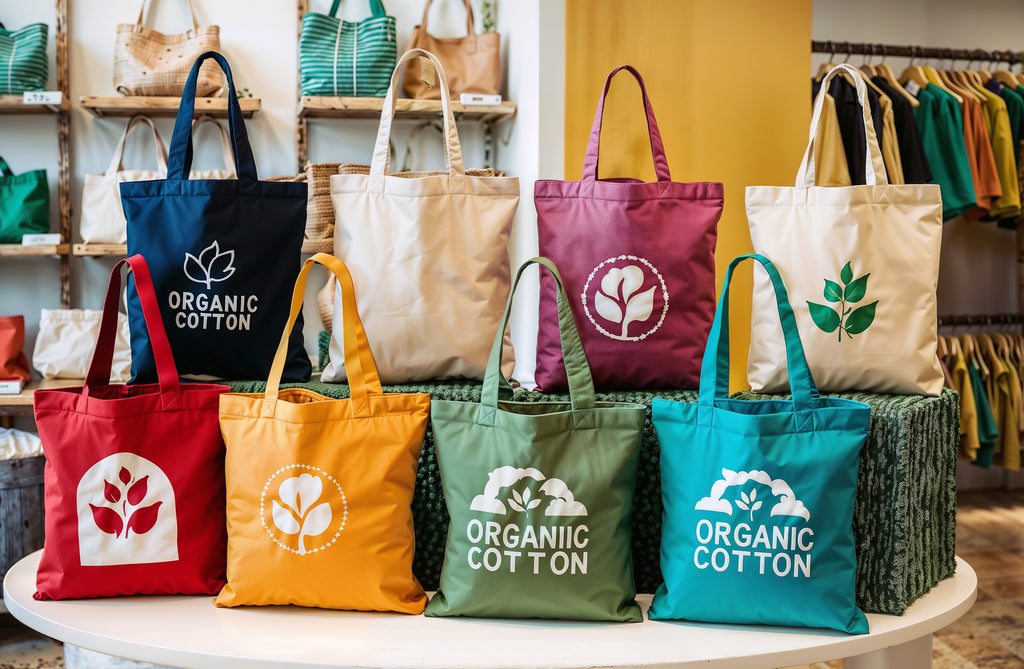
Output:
x=23 y=64
x=347 y=59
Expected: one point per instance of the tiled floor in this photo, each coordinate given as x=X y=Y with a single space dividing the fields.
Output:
x=990 y=536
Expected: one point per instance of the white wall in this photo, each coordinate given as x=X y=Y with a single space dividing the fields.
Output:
x=259 y=39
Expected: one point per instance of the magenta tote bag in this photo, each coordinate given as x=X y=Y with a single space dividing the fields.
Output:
x=638 y=263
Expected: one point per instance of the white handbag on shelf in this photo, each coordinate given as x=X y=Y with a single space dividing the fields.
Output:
x=102 y=216
x=861 y=264
x=67 y=338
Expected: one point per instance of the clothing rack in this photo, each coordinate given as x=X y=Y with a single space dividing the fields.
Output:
x=884 y=50
x=980 y=319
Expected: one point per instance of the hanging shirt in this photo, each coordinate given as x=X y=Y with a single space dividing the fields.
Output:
x=1015 y=108
x=987 y=187
x=941 y=128
x=1008 y=449
x=998 y=121
x=889 y=144
x=830 y=167
x=969 y=443
x=988 y=431
x=851 y=123
x=915 y=164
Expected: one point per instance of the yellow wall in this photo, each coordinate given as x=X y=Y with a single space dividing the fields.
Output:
x=729 y=85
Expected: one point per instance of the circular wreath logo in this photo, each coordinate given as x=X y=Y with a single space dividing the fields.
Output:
x=303 y=509
x=624 y=290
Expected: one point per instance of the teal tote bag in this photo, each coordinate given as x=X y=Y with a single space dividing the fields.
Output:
x=338 y=57
x=23 y=62
x=24 y=204
x=759 y=495
x=539 y=495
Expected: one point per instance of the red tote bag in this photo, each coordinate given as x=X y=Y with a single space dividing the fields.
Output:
x=134 y=478
x=638 y=264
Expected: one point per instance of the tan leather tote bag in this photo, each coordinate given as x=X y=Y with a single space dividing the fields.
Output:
x=472 y=63
x=428 y=252
x=148 y=62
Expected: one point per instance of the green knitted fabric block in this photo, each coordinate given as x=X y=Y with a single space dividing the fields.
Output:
x=323 y=350
x=905 y=515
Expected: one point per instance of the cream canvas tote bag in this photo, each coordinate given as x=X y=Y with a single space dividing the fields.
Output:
x=428 y=253
x=861 y=264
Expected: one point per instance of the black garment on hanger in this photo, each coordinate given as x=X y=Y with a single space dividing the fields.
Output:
x=915 y=164
x=851 y=123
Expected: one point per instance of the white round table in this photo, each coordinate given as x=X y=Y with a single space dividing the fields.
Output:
x=191 y=632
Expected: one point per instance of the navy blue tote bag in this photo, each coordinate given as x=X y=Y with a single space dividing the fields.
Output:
x=224 y=255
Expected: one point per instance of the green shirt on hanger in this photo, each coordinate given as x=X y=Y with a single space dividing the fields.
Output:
x=942 y=136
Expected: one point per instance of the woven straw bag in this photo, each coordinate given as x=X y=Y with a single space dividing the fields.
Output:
x=148 y=62
x=319 y=235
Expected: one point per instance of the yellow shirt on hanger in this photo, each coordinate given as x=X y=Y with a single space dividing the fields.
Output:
x=830 y=166
x=890 y=142
x=969 y=442
x=997 y=119
x=1008 y=447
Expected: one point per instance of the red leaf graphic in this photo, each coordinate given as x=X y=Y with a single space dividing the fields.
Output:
x=138 y=491
x=144 y=519
x=107 y=519
x=124 y=475
x=111 y=492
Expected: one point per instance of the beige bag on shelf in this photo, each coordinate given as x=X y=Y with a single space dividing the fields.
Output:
x=148 y=62
x=102 y=216
x=861 y=265
x=472 y=64
x=428 y=252
x=67 y=338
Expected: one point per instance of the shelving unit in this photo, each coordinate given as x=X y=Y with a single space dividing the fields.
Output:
x=125 y=106
x=13 y=104
x=21 y=404
x=36 y=251
x=97 y=250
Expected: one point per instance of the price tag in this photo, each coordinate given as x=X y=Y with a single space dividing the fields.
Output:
x=44 y=239
x=42 y=97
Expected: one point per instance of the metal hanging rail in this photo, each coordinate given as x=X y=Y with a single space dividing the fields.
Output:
x=871 y=49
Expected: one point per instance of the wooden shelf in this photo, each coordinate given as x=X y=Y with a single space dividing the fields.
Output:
x=21 y=404
x=12 y=104
x=13 y=250
x=370 y=108
x=121 y=105
x=93 y=250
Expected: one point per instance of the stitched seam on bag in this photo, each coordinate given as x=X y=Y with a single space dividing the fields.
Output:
x=10 y=68
x=355 y=59
x=337 y=46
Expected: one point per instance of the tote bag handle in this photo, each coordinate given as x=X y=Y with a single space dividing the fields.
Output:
x=195 y=24
x=714 y=372
x=359 y=365
x=874 y=167
x=581 y=383
x=376 y=8
x=381 y=153
x=180 y=161
x=225 y=141
x=158 y=141
x=103 y=355
x=594 y=145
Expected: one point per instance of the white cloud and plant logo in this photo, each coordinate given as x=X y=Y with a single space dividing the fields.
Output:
x=554 y=539
x=625 y=291
x=211 y=266
x=763 y=545
x=305 y=504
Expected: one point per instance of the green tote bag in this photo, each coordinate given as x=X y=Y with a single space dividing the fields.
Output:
x=759 y=495
x=338 y=57
x=24 y=204
x=23 y=63
x=539 y=495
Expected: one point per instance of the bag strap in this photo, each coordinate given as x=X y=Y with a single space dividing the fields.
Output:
x=714 y=371
x=874 y=167
x=158 y=145
x=180 y=160
x=594 y=145
x=191 y=10
x=359 y=365
x=376 y=8
x=5 y=169
x=470 y=21
x=381 y=156
x=225 y=141
x=581 y=383
x=103 y=355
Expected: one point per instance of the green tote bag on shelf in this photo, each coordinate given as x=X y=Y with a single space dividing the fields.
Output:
x=24 y=204
x=759 y=495
x=338 y=57
x=23 y=63
x=539 y=495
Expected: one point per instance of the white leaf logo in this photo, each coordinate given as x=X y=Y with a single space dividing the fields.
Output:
x=619 y=301
x=211 y=266
x=295 y=513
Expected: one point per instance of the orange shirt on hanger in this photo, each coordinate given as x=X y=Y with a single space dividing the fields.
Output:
x=987 y=187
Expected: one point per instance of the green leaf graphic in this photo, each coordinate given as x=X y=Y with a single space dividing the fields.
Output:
x=833 y=291
x=860 y=319
x=846 y=276
x=825 y=318
x=855 y=291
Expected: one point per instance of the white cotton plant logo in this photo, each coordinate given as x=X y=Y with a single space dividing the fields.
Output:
x=307 y=509
x=622 y=296
x=201 y=310
x=522 y=539
x=211 y=266
x=760 y=546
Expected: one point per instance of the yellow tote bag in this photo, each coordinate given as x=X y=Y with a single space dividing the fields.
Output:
x=319 y=489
